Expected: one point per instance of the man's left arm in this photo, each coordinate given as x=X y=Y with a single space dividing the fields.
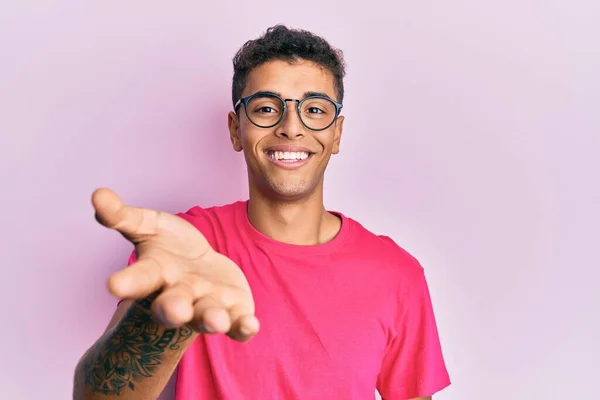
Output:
x=413 y=367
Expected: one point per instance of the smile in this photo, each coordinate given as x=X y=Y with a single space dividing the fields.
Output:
x=288 y=159
x=288 y=156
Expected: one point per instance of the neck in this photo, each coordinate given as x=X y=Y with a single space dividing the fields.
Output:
x=301 y=222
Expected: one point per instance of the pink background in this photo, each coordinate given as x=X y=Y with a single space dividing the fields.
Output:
x=472 y=138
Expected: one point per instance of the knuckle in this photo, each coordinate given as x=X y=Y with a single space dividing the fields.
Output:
x=166 y=266
x=229 y=296
x=200 y=286
x=186 y=289
x=145 y=223
x=148 y=272
x=210 y=300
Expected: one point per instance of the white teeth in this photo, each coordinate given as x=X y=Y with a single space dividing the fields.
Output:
x=288 y=155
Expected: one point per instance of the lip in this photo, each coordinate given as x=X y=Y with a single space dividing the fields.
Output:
x=288 y=148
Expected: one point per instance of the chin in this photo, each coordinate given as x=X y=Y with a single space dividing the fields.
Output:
x=290 y=190
x=284 y=185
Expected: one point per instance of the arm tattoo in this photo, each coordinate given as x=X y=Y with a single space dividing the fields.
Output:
x=134 y=349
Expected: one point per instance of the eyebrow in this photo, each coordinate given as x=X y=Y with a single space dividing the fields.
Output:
x=306 y=94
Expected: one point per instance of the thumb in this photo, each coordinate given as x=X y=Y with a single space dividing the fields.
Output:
x=111 y=212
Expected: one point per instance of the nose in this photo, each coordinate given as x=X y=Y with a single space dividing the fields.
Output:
x=290 y=126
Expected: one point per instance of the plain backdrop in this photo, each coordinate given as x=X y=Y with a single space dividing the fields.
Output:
x=472 y=138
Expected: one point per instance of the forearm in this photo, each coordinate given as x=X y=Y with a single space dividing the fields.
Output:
x=133 y=360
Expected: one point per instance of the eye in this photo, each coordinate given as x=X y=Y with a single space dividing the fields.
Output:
x=317 y=107
x=314 y=110
x=266 y=110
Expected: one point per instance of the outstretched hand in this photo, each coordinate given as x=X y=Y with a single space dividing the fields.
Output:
x=195 y=284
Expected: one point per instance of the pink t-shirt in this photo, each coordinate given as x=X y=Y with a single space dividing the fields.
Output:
x=338 y=320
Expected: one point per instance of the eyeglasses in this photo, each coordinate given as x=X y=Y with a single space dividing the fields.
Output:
x=265 y=110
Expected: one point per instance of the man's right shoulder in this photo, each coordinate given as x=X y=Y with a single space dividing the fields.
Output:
x=214 y=221
x=219 y=210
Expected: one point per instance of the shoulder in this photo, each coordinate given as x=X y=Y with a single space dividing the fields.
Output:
x=213 y=212
x=213 y=221
x=398 y=265
x=398 y=273
x=400 y=255
x=382 y=247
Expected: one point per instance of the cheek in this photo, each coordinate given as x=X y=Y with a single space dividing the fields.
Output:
x=327 y=141
x=247 y=134
x=250 y=137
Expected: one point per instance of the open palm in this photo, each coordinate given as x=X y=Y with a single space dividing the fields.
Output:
x=193 y=284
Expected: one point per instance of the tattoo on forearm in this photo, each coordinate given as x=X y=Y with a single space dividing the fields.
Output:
x=135 y=350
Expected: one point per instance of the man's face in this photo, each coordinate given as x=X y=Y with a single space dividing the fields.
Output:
x=299 y=172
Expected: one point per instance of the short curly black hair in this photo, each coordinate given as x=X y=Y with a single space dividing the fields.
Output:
x=282 y=43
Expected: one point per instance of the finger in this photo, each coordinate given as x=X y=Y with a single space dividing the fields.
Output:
x=244 y=324
x=137 y=281
x=175 y=306
x=210 y=315
x=113 y=213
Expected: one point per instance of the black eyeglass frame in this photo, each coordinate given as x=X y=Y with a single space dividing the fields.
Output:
x=246 y=100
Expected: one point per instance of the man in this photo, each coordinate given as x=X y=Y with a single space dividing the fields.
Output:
x=333 y=311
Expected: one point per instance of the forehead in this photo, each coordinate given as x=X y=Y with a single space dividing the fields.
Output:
x=290 y=79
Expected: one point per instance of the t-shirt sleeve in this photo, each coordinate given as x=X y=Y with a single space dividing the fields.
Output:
x=132 y=258
x=413 y=365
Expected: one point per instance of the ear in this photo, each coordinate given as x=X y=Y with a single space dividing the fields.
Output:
x=234 y=131
x=337 y=134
